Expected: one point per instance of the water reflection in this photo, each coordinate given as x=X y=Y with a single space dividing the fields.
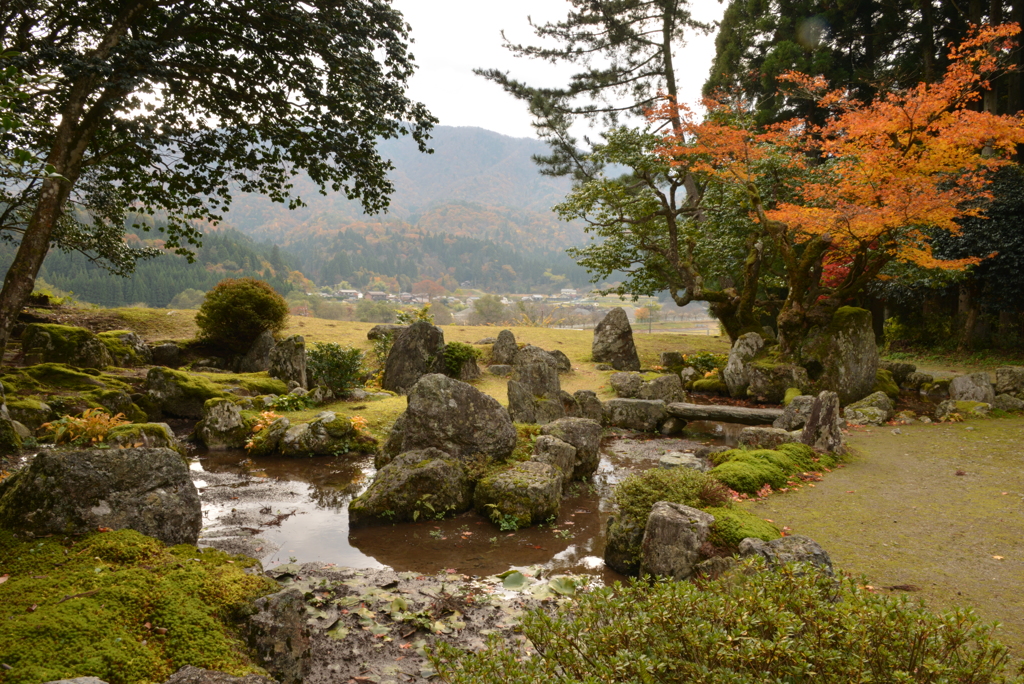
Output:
x=300 y=508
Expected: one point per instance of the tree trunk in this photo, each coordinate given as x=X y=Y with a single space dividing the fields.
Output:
x=969 y=310
x=35 y=244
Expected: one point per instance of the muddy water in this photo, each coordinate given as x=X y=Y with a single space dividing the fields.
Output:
x=280 y=510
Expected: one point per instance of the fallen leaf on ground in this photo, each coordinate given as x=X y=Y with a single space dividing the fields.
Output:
x=4 y=578
x=998 y=557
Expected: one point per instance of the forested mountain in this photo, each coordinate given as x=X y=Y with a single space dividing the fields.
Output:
x=477 y=183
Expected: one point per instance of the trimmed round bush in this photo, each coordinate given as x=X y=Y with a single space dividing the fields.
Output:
x=237 y=310
x=733 y=525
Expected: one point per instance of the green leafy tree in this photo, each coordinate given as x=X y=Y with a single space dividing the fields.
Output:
x=488 y=310
x=237 y=311
x=170 y=107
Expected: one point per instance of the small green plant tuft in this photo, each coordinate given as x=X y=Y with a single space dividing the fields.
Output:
x=333 y=366
x=457 y=354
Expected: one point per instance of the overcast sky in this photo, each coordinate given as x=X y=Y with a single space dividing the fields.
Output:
x=452 y=37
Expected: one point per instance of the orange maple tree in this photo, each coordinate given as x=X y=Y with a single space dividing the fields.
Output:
x=875 y=181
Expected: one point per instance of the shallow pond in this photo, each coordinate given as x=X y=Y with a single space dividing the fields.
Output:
x=280 y=509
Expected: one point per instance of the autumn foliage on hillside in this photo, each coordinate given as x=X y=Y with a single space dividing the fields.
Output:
x=875 y=182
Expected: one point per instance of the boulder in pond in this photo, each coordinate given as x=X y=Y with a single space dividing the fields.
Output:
x=624 y=536
x=672 y=541
x=426 y=484
x=613 y=342
x=417 y=351
x=972 y=387
x=78 y=491
x=458 y=419
x=743 y=351
x=874 y=409
x=525 y=494
x=842 y=356
x=584 y=435
x=268 y=440
x=52 y=343
x=555 y=452
x=635 y=414
x=288 y=361
x=222 y=426
x=504 y=351
x=792 y=549
x=823 y=430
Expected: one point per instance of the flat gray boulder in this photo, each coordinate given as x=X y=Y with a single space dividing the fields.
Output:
x=78 y=491
x=874 y=409
x=635 y=414
x=765 y=437
x=526 y=494
x=613 y=342
x=792 y=549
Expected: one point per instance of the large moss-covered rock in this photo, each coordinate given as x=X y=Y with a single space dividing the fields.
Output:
x=886 y=382
x=73 y=492
x=769 y=380
x=327 y=434
x=842 y=356
x=267 y=441
x=417 y=351
x=635 y=414
x=900 y=370
x=416 y=485
x=10 y=440
x=30 y=412
x=126 y=349
x=458 y=419
x=149 y=435
x=624 y=536
x=613 y=342
x=823 y=429
x=1010 y=380
x=52 y=343
x=525 y=494
x=555 y=452
x=584 y=435
x=874 y=409
x=117 y=401
x=963 y=409
x=537 y=371
x=223 y=426
x=180 y=394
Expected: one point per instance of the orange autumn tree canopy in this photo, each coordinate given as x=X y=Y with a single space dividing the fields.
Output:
x=877 y=178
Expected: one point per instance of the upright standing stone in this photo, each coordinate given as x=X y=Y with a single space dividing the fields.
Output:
x=288 y=360
x=842 y=356
x=672 y=540
x=735 y=372
x=613 y=342
x=257 y=359
x=503 y=353
x=417 y=351
x=823 y=429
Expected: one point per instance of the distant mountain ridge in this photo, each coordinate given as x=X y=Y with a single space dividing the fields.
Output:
x=477 y=183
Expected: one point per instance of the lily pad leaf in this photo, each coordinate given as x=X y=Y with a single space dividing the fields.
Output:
x=337 y=631
x=515 y=581
x=563 y=585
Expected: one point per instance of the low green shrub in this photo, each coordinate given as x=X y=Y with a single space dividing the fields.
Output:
x=237 y=310
x=795 y=624
x=457 y=354
x=333 y=366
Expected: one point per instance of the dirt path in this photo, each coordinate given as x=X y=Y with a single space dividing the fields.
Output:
x=901 y=513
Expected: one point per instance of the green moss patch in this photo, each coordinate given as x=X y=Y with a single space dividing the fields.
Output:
x=58 y=376
x=713 y=385
x=121 y=351
x=885 y=382
x=63 y=341
x=256 y=383
x=747 y=471
x=791 y=394
x=120 y=606
x=637 y=493
x=733 y=525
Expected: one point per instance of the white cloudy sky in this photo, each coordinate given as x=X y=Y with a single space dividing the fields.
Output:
x=452 y=37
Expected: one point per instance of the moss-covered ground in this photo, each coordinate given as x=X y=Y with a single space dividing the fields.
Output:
x=933 y=510
x=119 y=606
